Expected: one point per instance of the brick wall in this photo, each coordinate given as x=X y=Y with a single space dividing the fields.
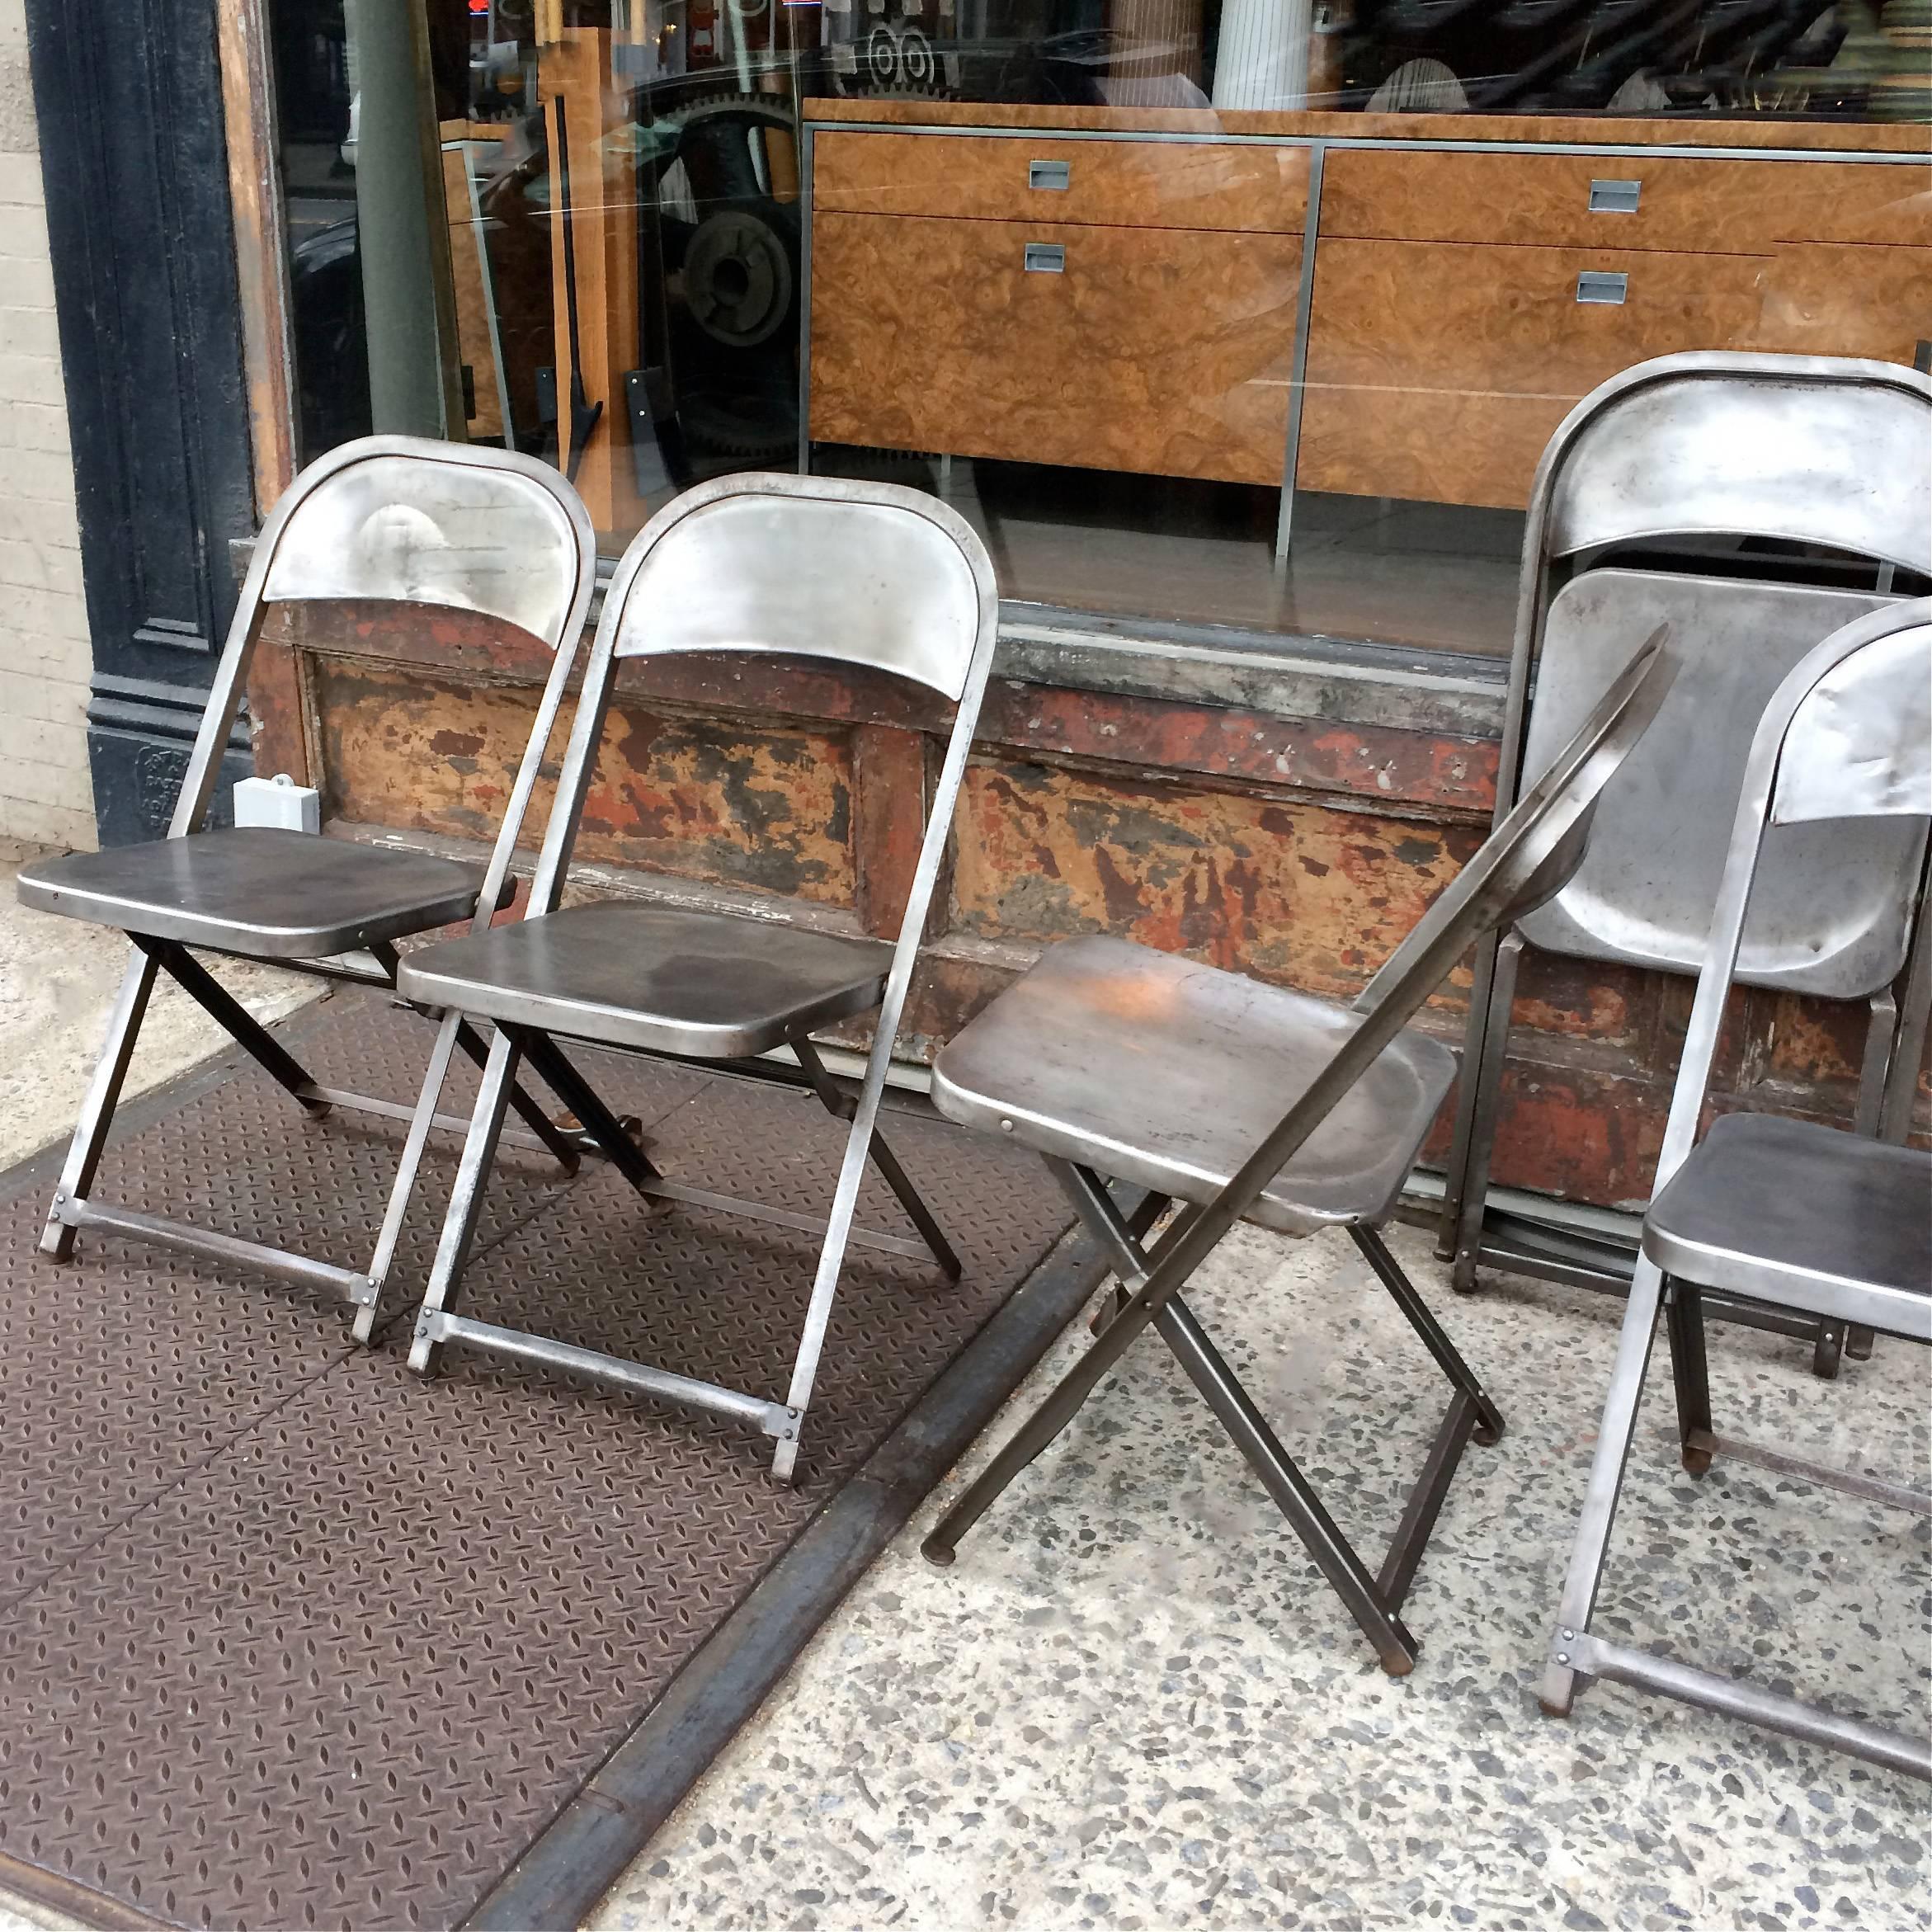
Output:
x=45 y=794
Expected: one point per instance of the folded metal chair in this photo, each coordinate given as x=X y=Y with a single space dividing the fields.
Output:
x=871 y=576
x=1785 y=1213
x=388 y=519
x=1116 y=1060
x=1635 y=520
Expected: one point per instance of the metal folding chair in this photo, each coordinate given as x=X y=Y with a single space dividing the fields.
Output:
x=1116 y=1060
x=861 y=575
x=1788 y=1214
x=1648 y=482
x=390 y=519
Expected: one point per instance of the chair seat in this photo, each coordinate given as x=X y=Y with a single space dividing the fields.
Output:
x=271 y=894
x=666 y=978
x=1153 y=1069
x=1789 y=1212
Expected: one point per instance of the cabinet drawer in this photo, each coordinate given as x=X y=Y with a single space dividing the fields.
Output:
x=1438 y=372
x=1621 y=200
x=1164 y=350
x=1128 y=184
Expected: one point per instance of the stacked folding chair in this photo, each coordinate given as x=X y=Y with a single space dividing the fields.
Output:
x=387 y=519
x=1242 y=1101
x=1754 y=503
x=1785 y=1214
x=868 y=578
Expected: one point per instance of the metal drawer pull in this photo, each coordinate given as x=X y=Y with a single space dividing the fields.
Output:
x=1614 y=197
x=1046 y=258
x=1595 y=285
x=1050 y=174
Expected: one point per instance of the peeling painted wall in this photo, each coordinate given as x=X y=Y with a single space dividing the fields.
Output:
x=703 y=797
x=1299 y=847
x=1303 y=895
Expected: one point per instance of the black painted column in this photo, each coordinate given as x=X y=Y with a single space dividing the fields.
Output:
x=128 y=95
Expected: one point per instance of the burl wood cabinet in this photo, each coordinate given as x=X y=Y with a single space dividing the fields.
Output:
x=1129 y=292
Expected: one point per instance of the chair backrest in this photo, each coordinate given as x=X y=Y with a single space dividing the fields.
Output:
x=869 y=576
x=1808 y=449
x=1537 y=846
x=402 y=519
x=1848 y=736
x=839 y=572
x=1811 y=450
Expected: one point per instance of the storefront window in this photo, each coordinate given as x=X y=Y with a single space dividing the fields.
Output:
x=1245 y=314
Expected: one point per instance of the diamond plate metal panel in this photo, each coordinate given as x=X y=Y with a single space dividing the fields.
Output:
x=294 y=1639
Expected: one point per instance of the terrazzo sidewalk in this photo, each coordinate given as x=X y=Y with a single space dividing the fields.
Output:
x=1133 y=1704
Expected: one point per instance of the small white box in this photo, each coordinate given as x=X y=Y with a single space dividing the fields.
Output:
x=278 y=801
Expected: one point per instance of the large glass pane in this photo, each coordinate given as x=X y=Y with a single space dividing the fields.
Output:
x=1244 y=314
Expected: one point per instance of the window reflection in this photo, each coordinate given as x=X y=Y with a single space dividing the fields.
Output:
x=577 y=228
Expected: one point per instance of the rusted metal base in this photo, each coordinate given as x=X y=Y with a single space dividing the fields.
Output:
x=290 y=1637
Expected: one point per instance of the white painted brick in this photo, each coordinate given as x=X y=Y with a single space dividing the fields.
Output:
x=60 y=742
x=53 y=525
x=29 y=285
x=22 y=649
x=35 y=425
x=68 y=786
x=25 y=331
x=47 y=825
x=36 y=567
x=51 y=615
x=55 y=700
x=23 y=229
x=44 y=476
x=27 y=379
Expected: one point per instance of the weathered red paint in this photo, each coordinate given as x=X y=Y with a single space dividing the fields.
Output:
x=1295 y=849
x=714 y=800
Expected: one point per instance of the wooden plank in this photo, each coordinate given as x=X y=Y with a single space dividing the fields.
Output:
x=255 y=192
x=576 y=81
x=473 y=301
x=278 y=723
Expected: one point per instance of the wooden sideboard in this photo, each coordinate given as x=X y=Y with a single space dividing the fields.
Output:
x=1400 y=307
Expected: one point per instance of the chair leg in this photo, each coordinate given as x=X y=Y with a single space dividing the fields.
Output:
x=1828 y=1349
x=840 y=1106
x=1489 y=1423
x=1455 y=1175
x=479 y=1150
x=1684 y=1325
x=1614 y=1435
x=1485 y=1108
x=476 y=1051
x=90 y=1134
x=406 y=1169
x=1063 y=1403
x=558 y=1073
x=247 y=1032
x=1347 y=1574
x=1367 y=1599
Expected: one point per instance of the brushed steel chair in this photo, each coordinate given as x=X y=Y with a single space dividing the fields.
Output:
x=1652 y=476
x=388 y=519
x=1116 y=1060
x=1788 y=1213
x=863 y=575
